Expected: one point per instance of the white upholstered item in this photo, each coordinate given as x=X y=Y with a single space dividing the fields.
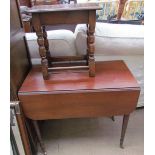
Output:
x=112 y=39
x=61 y=43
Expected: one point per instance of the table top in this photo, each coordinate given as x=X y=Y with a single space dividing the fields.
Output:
x=109 y=75
x=63 y=7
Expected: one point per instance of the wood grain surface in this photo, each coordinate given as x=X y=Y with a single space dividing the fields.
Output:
x=109 y=75
x=71 y=94
x=19 y=62
x=43 y=15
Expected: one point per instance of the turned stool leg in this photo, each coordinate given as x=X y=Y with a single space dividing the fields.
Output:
x=46 y=44
x=124 y=127
x=41 y=42
x=35 y=123
x=90 y=43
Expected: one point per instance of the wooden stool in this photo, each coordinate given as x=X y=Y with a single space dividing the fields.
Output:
x=43 y=15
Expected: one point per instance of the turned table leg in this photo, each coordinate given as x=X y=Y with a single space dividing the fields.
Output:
x=35 y=123
x=90 y=43
x=124 y=127
x=113 y=118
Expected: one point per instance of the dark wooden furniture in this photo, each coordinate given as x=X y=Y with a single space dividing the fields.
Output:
x=73 y=94
x=26 y=19
x=30 y=3
x=51 y=2
x=19 y=68
x=43 y=15
x=27 y=3
x=19 y=62
x=45 y=2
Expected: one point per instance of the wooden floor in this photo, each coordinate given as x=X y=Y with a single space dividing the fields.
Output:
x=96 y=136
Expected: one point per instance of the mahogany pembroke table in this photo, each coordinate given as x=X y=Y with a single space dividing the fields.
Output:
x=73 y=94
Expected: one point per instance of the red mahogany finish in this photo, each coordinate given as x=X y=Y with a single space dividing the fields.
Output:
x=70 y=94
x=73 y=94
x=110 y=75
